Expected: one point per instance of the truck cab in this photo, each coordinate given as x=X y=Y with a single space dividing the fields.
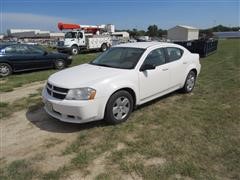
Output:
x=77 y=40
x=73 y=40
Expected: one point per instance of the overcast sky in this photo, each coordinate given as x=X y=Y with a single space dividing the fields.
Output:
x=124 y=14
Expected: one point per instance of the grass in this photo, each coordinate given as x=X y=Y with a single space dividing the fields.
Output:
x=22 y=170
x=51 y=142
x=19 y=169
x=32 y=103
x=196 y=134
x=20 y=79
x=82 y=159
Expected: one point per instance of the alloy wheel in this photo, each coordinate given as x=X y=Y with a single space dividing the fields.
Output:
x=121 y=108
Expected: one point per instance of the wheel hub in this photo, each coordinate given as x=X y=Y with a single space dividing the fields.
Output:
x=4 y=69
x=190 y=82
x=121 y=108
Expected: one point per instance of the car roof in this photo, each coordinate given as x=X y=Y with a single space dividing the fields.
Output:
x=145 y=45
x=4 y=45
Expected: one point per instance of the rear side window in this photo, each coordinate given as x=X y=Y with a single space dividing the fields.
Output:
x=11 y=50
x=174 y=53
x=16 y=49
x=156 y=57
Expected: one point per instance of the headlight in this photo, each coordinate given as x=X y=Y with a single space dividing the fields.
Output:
x=81 y=94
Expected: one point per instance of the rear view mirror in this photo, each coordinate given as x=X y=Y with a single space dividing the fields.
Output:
x=147 y=67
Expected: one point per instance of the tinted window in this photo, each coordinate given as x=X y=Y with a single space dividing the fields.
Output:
x=16 y=49
x=119 y=57
x=10 y=50
x=35 y=50
x=70 y=35
x=80 y=35
x=174 y=53
x=155 y=57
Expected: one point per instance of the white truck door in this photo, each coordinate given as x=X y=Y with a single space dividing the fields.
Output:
x=154 y=81
x=81 y=39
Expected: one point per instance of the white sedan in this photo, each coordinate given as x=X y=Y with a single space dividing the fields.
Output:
x=120 y=79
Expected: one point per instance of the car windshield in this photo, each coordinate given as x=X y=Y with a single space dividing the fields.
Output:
x=119 y=57
x=70 y=35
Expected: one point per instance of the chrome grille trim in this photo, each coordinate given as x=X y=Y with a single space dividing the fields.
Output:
x=60 y=93
x=57 y=91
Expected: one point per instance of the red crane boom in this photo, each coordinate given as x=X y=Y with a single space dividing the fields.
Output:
x=86 y=28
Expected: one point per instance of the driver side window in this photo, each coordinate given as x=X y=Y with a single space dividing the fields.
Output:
x=156 y=57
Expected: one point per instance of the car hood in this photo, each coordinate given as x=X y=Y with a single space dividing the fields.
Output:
x=82 y=76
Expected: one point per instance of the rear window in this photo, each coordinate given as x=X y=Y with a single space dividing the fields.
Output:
x=174 y=53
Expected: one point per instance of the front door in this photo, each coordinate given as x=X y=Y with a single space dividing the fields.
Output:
x=81 y=39
x=153 y=82
x=40 y=57
x=18 y=55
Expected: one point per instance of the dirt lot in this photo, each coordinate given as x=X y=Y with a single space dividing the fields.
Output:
x=179 y=136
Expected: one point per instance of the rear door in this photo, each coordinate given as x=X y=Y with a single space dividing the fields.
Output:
x=153 y=82
x=18 y=56
x=177 y=65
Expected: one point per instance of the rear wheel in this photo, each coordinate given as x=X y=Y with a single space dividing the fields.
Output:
x=74 y=50
x=5 y=69
x=119 y=107
x=104 y=47
x=190 y=82
x=60 y=64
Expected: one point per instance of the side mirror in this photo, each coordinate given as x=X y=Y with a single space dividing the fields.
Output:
x=147 y=67
x=45 y=53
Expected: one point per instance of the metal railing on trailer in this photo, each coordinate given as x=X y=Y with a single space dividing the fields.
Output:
x=203 y=47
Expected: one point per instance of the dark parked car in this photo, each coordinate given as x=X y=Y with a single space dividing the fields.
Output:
x=23 y=57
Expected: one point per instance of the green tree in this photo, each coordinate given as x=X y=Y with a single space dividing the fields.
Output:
x=152 y=30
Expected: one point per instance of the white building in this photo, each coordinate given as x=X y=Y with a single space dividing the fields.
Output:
x=12 y=32
x=122 y=34
x=56 y=35
x=183 y=33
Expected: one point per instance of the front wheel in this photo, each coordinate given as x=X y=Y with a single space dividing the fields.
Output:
x=60 y=64
x=190 y=82
x=119 y=107
x=5 y=69
x=74 y=50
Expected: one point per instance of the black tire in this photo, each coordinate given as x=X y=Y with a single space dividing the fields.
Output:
x=104 y=47
x=74 y=50
x=5 y=69
x=113 y=109
x=60 y=64
x=189 y=82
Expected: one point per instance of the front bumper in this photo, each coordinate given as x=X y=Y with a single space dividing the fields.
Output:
x=73 y=111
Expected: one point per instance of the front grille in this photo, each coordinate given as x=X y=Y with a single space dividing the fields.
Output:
x=57 y=92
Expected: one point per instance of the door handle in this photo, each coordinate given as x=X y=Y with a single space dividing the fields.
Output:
x=165 y=69
x=184 y=62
